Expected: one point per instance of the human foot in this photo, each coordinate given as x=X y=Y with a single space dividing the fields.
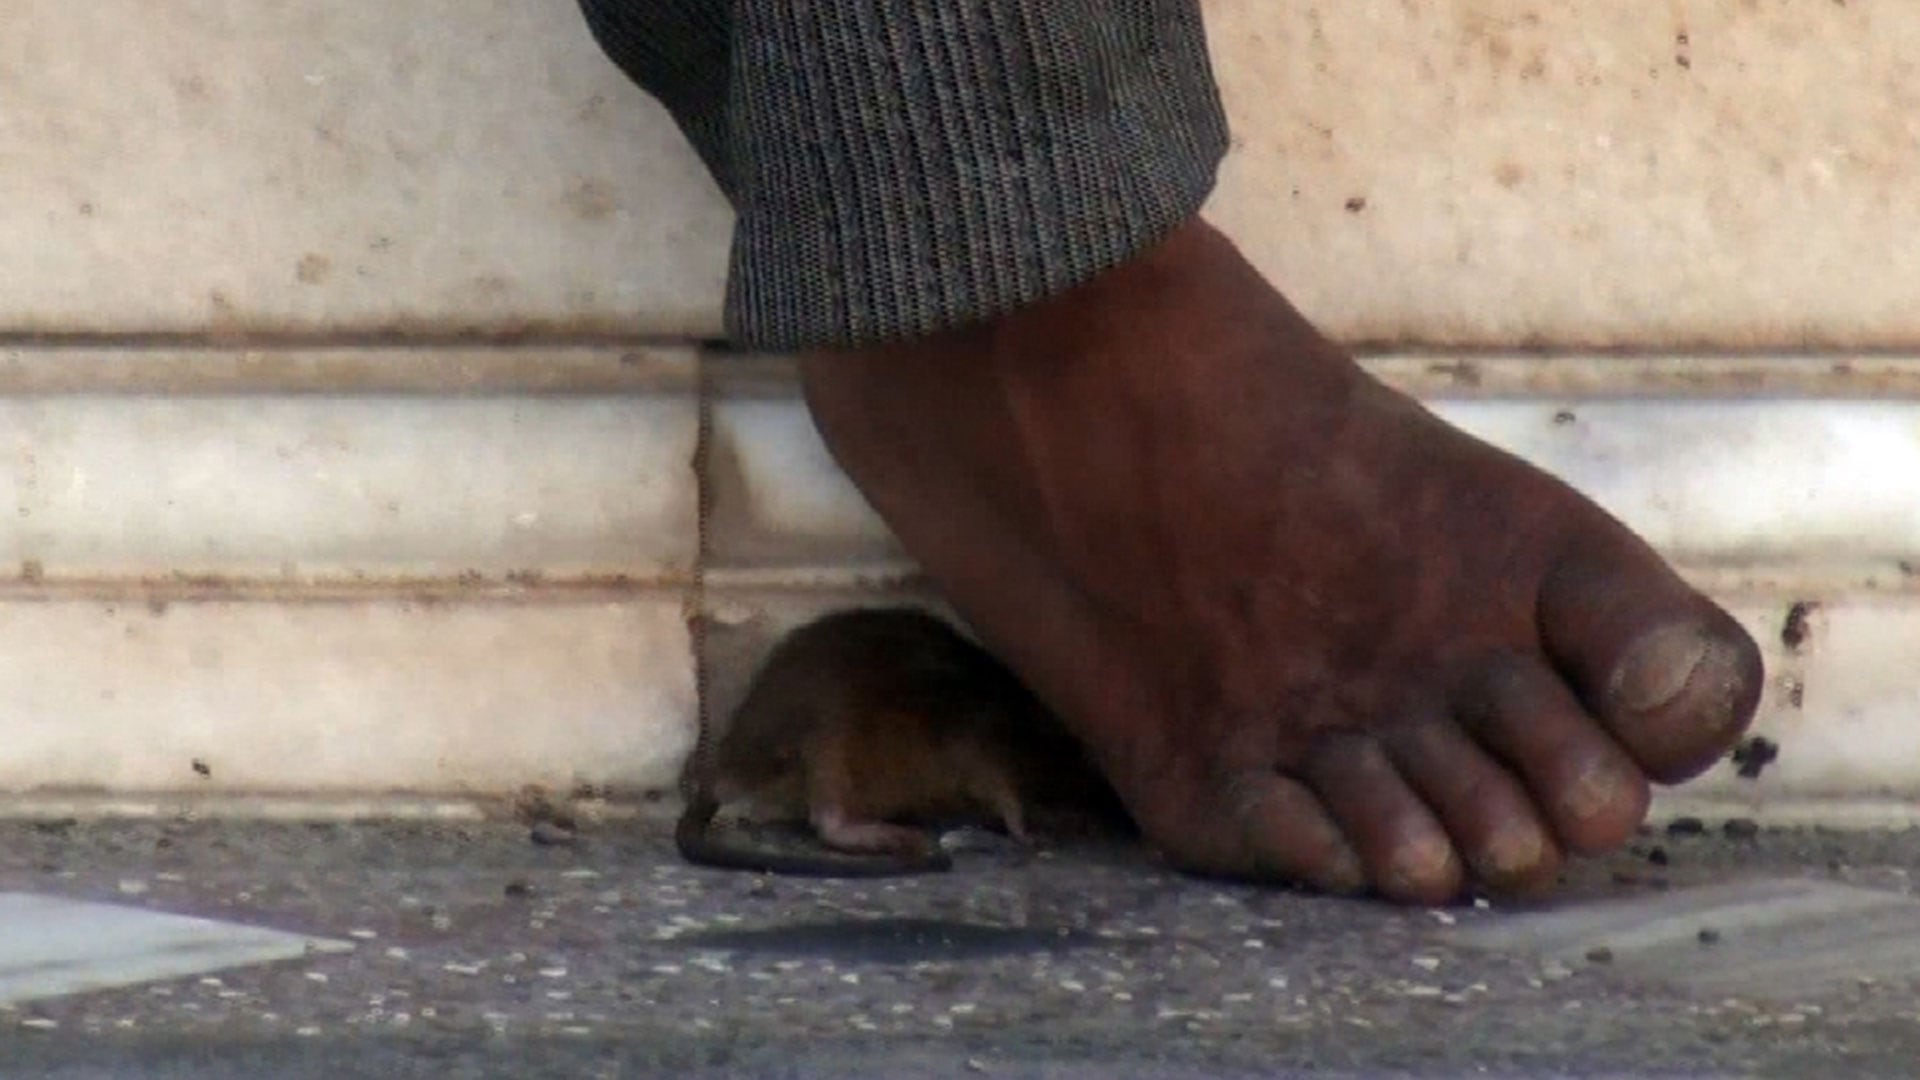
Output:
x=1310 y=632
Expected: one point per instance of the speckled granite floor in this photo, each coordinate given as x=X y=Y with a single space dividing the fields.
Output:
x=479 y=953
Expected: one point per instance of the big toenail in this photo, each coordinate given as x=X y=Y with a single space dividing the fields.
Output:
x=1659 y=668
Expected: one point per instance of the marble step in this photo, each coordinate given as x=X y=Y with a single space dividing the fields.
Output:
x=412 y=573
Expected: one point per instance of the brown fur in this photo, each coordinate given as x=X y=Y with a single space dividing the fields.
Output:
x=872 y=725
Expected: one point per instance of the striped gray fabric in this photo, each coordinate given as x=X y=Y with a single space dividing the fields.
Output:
x=901 y=167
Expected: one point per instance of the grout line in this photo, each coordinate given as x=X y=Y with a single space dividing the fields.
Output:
x=528 y=335
x=885 y=575
x=185 y=806
x=564 y=366
x=535 y=333
x=1894 y=579
x=1545 y=376
x=1866 y=812
x=191 y=590
x=457 y=372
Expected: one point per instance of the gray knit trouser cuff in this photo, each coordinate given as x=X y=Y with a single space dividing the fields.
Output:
x=902 y=167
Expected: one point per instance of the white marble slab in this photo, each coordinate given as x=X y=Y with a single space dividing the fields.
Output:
x=1788 y=939
x=383 y=695
x=51 y=946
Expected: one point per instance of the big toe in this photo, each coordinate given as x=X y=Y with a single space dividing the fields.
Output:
x=1672 y=676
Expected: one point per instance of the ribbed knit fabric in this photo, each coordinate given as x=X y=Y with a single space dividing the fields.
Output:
x=901 y=167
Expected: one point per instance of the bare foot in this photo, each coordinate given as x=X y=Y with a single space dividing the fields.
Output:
x=1310 y=632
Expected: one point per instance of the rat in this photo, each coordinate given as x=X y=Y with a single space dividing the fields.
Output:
x=875 y=726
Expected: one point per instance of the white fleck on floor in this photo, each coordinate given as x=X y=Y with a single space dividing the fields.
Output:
x=51 y=946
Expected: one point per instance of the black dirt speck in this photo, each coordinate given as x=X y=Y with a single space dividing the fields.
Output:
x=1795 y=631
x=1753 y=755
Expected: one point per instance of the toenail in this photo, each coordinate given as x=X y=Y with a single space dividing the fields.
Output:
x=1344 y=872
x=1659 y=667
x=1597 y=792
x=1513 y=851
x=1419 y=866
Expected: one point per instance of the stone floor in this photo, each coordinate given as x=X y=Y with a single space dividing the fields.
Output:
x=475 y=952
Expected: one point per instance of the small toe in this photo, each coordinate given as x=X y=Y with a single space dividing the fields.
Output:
x=1584 y=784
x=1407 y=853
x=1253 y=823
x=1495 y=826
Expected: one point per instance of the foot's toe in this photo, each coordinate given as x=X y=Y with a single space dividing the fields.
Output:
x=1682 y=694
x=1583 y=783
x=1672 y=676
x=1407 y=853
x=1252 y=822
x=1494 y=824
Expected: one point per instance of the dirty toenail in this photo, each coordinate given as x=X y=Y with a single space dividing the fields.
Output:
x=1513 y=851
x=1659 y=667
x=1339 y=868
x=1344 y=872
x=1420 y=865
x=1596 y=793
